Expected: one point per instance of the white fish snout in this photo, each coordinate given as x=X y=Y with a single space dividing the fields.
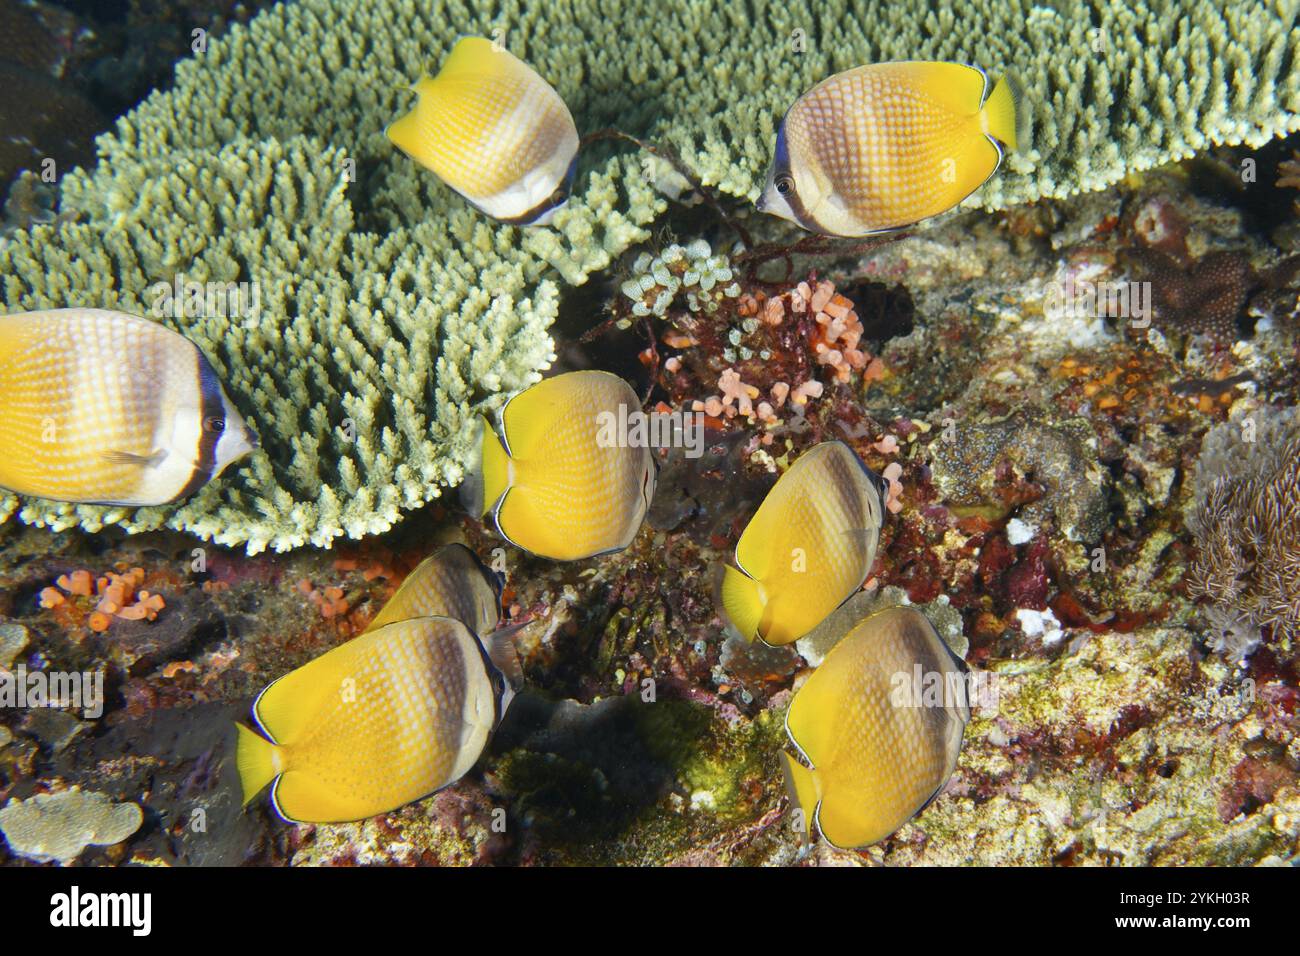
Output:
x=237 y=440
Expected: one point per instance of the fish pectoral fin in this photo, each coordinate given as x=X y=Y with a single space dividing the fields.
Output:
x=130 y=458
x=500 y=647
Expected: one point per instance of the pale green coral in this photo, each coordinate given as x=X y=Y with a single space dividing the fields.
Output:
x=372 y=350
x=392 y=313
x=58 y=826
x=691 y=273
x=1112 y=87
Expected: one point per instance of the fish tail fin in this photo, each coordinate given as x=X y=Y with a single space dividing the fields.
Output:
x=256 y=758
x=488 y=474
x=801 y=787
x=1006 y=114
x=743 y=601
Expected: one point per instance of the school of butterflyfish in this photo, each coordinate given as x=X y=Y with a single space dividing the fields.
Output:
x=103 y=407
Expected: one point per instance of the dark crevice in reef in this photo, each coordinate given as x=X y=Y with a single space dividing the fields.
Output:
x=582 y=309
x=70 y=66
x=1221 y=177
x=886 y=311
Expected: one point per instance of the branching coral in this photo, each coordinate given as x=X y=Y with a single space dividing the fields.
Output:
x=1113 y=87
x=1245 y=516
x=392 y=314
x=367 y=354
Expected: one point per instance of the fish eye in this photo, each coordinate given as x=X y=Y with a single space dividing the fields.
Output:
x=214 y=424
x=784 y=185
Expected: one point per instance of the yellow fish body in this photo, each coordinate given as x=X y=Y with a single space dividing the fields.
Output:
x=450 y=583
x=389 y=717
x=884 y=146
x=495 y=132
x=558 y=481
x=808 y=548
x=880 y=740
x=102 y=407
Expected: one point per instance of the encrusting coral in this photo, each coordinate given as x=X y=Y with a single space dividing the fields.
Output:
x=391 y=313
x=58 y=826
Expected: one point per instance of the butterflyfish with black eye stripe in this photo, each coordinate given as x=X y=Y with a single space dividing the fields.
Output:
x=808 y=548
x=878 y=742
x=494 y=131
x=101 y=407
x=557 y=479
x=884 y=146
x=393 y=715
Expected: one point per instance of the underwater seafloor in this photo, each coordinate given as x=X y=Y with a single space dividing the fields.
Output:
x=1050 y=521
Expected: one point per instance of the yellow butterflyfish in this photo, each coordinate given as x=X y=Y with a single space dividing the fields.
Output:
x=391 y=716
x=451 y=582
x=102 y=407
x=808 y=548
x=559 y=480
x=495 y=132
x=880 y=725
x=883 y=146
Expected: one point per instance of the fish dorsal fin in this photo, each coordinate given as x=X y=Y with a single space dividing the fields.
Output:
x=530 y=418
x=479 y=60
x=477 y=80
x=957 y=88
x=766 y=533
x=292 y=703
